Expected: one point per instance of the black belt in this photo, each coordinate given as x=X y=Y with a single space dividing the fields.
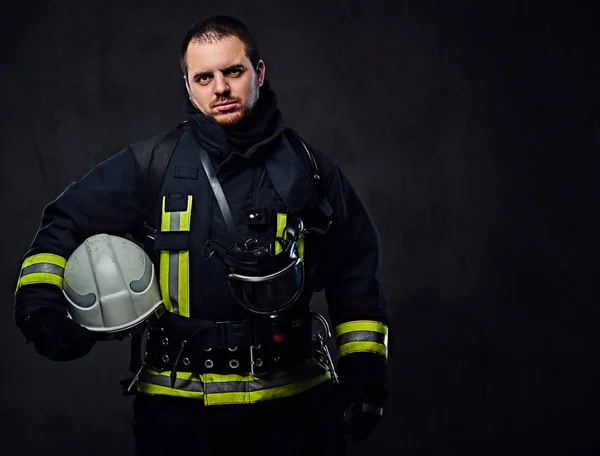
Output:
x=258 y=347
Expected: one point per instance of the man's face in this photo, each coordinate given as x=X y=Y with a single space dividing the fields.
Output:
x=220 y=79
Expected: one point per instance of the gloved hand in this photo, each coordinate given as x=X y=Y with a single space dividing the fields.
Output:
x=363 y=390
x=56 y=336
x=360 y=419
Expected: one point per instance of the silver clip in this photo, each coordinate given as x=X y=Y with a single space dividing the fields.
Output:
x=254 y=362
x=135 y=378
x=321 y=338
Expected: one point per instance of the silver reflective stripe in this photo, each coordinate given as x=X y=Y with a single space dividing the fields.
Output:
x=174 y=280
x=259 y=385
x=372 y=408
x=175 y=217
x=180 y=384
x=48 y=268
x=362 y=336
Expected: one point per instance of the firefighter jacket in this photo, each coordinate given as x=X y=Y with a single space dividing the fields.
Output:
x=264 y=186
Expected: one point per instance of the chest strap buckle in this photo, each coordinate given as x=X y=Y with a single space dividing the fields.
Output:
x=231 y=334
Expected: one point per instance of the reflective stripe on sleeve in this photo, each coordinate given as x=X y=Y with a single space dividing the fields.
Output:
x=42 y=268
x=175 y=265
x=364 y=336
x=221 y=389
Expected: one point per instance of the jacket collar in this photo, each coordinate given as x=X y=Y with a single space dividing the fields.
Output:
x=263 y=125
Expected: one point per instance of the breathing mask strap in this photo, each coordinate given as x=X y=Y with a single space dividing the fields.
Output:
x=218 y=191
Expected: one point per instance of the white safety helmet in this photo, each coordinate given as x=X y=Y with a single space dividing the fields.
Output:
x=111 y=286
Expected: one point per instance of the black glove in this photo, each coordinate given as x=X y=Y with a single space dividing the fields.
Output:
x=360 y=419
x=363 y=391
x=56 y=336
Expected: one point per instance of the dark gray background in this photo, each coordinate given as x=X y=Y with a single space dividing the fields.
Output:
x=469 y=131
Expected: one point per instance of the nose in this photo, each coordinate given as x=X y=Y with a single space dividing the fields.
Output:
x=221 y=85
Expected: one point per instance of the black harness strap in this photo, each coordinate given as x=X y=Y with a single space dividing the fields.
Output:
x=155 y=174
x=300 y=148
x=219 y=195
x=153 y=166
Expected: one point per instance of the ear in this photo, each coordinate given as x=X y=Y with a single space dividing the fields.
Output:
x=261 y=70
x=187 y=86
x=191 y=95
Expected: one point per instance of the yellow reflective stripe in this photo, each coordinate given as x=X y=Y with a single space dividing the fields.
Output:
x=44 y=258
x=281 y=224
x=40 y=277
x=361 y=325
x=363 y=347
x=165 y=225
x=175 y=265
x=164 y=279
x=186 y=219
x=183 y=292
x=301 y=246
x=165 y=219
x=183 y=288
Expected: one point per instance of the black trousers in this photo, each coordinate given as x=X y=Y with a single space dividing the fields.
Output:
x=304 y=424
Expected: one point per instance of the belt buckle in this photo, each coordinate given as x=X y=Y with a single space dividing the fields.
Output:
x=256 y=362
x=223 y=328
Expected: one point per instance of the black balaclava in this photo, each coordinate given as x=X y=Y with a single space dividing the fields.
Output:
x=264 y=121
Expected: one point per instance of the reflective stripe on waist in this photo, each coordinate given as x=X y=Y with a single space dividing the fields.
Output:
x=221 y=389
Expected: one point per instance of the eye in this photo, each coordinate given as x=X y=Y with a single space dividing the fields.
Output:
x=235 y=72
x=203 y=79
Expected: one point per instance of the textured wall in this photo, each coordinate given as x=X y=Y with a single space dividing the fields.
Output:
x=470 y=136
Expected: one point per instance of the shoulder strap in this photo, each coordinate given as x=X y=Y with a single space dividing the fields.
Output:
x=305 y=155
x=308 y=158
x=153 y=163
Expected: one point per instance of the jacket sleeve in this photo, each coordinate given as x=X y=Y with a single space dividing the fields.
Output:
x=354 y=292
x=109 y=199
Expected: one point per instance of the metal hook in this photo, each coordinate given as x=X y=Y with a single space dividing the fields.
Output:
x=321 y=340
x=324 y=323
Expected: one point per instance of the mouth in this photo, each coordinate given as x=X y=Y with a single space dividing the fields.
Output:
x=226 y=106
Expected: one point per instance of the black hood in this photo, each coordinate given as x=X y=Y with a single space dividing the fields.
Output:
x=264 y=123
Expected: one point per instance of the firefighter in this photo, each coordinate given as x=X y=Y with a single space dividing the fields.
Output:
x=246 y=223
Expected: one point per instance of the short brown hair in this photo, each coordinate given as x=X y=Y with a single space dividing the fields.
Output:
x=215 y=28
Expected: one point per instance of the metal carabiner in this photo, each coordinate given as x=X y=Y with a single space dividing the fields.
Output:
x=134 y=380
x=321 y=338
